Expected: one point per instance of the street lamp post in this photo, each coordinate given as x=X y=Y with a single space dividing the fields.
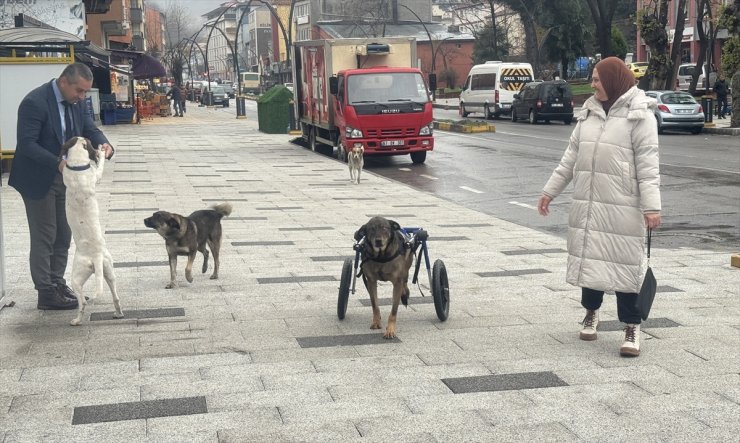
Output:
x=433 y=74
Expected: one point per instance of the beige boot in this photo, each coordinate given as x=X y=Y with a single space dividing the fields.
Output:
x=631 y=345
x=590 y=322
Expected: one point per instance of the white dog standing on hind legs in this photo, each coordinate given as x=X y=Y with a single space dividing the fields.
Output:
x=355 y=161
x=83 y=171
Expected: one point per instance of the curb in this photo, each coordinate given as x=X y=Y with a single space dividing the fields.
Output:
x=722 y=131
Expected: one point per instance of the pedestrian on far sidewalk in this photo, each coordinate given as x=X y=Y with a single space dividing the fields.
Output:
x=184 y=98
x=48 y=116
x=175 y=95
x=612 y=160
x=720 y=88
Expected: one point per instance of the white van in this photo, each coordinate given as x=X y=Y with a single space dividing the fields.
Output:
x=686 y=71
x=490 y=87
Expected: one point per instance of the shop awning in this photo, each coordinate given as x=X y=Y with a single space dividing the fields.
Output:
x=147 y=66
x=143 y=65
x=39 y=37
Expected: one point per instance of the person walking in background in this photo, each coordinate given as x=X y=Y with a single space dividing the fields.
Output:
x=720 y=88
x=48 y=116
x=184 y=98
x=612 y=160
x=176 y=95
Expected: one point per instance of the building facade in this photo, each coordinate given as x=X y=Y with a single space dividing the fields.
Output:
x=113 y=30
x=690 y=42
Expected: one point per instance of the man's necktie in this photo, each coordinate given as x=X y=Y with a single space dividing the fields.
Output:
x=68 y=129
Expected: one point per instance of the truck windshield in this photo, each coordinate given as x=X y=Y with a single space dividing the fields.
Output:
x=386 y=87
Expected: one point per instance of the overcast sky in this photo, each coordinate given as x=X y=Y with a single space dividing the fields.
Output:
x=195 y=8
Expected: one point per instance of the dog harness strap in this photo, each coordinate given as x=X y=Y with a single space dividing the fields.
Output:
x=366 y=256
x=79 y=168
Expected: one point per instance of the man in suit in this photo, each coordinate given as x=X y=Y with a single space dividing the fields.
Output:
x=47 y=117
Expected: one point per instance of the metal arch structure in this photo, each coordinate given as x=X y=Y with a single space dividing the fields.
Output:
x=192 y=42
x=233 y=54
x=287 y=35
x=208 y=39
x=433 y=74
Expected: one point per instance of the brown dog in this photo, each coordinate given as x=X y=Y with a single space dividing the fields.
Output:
x=188 y=235
x=385 y=257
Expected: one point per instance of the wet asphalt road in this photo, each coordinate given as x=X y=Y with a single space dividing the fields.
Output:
x=502 y=174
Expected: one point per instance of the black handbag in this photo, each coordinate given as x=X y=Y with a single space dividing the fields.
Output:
x=649 y=285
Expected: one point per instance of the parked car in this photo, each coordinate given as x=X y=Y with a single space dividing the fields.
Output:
x=219 y=95
x=638 y=69
x=677 y=110
x=550 y=100
x=229 y=88
x=686 y=70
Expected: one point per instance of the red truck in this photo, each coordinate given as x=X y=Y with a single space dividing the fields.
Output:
x=367 y=92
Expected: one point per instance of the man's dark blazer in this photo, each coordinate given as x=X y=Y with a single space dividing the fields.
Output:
x=40 y=139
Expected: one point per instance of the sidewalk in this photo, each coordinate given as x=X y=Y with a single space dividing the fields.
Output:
x=720 y=126
x=259 y=354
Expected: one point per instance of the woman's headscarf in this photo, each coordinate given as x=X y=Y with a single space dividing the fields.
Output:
x=616 y=78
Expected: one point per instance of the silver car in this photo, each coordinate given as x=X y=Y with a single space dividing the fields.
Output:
x=677 y=110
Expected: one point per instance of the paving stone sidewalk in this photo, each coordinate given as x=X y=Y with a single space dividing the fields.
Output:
x=260 y=355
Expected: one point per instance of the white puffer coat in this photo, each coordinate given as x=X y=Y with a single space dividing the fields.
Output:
x=613 y=163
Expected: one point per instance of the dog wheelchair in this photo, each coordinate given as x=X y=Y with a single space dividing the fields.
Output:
x=415 y=238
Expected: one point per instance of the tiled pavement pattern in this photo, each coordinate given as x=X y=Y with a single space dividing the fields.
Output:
x=259 y=354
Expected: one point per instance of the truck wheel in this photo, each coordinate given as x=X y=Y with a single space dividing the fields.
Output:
x=418 y=157
x=532 y=117
x=463 y=112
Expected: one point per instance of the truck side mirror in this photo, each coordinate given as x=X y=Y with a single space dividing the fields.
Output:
x=433 y=81
x=333 y=88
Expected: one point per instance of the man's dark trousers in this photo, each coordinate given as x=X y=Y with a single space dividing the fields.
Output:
x=50 y=236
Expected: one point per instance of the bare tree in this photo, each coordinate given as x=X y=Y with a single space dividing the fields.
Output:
x=676 y=45
x=705 y=16
x=653 y=19
x=180 y=29
x=603 y=12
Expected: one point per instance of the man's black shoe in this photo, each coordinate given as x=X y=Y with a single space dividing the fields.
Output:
x=66 y=292
x=51 y=300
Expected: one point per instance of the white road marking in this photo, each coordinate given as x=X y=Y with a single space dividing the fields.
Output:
x=471 y=189
x=524 y=205
x=429 y=177
x=405 y=169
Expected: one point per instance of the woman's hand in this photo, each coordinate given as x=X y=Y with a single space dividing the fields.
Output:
x=652 y=220
x=543 y=207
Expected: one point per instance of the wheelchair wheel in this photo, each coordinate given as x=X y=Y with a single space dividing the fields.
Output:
x=344 y=283
x=440 y=290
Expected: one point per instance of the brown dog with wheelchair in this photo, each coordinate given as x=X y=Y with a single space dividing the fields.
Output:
x=386 y=256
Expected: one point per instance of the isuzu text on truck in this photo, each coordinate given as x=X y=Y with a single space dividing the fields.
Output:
x=367 y=92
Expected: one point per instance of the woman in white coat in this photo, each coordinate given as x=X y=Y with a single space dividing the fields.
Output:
x=612 y=160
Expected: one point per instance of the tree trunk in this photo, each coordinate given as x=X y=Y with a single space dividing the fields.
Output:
x=701 y=8
x=530 y=40
x=564 y=67
x=653 y=32
x=675 y=59
x=602 y=15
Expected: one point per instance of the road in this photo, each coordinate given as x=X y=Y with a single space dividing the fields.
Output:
x=502 y=174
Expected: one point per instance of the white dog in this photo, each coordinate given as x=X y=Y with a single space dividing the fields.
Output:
x=355 y=160
x=83 y=172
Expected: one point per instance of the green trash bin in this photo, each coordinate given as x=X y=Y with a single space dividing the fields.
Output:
x=273 y=110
